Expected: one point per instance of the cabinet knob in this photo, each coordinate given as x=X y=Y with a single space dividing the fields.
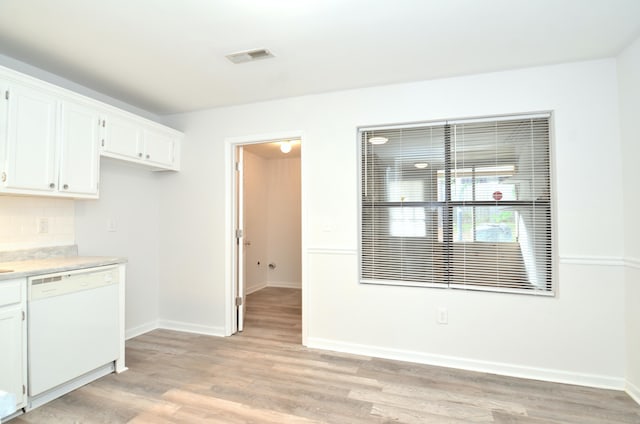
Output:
x=148 y=156
x=66 y=186
x=139 y=155
x=4 y=177
x=52 y=185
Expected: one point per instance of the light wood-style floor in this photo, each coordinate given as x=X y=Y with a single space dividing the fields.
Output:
x=264 y=375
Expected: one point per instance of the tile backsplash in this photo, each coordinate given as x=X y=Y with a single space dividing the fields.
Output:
x=27 y=222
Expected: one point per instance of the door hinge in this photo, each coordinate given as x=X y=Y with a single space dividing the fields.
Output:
x=24 y=316
x=103 y=123
x=24 y=389
x=238 y=301
x=238 y=233
x=6 y=94
x=238 y=166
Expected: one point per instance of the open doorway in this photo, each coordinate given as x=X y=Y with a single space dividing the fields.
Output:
x=268 y=262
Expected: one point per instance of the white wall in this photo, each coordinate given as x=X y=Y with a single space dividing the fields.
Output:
x=129 y=199
x=256 y=191
x=577 y=336
x=20 y=216
x=283 y=225
x=629 y=87
x=272 y=222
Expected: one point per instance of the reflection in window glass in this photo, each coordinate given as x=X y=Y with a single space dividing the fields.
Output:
x=406 y=221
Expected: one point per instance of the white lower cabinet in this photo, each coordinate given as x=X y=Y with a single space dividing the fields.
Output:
x=13 y=354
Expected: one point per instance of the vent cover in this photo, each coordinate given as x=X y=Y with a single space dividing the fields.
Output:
x=249 y=55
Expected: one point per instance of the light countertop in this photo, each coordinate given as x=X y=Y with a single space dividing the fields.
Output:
x=29 y=267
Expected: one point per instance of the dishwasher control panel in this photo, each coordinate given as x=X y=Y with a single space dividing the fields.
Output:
x=49 y=285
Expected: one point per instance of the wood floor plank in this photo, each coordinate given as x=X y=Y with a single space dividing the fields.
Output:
x=265 y=375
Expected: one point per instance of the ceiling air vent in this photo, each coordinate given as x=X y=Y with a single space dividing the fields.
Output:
x=250 y=55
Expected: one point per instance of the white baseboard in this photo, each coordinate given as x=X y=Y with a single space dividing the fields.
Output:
x=255 y=288
x=285 y=284
x=140 y=329
x=633 y=391
x=191 y=328
x=556 y=376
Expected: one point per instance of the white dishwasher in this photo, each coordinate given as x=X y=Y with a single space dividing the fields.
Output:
x=73 y=325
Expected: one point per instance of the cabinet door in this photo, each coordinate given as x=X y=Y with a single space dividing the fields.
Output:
x=158 y=148
x=4 y=110
x=122 y=137
x=31 y=139
x=12 y=364
x=79 y=150
x=13 y=354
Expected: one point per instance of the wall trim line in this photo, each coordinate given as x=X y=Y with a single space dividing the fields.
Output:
x=633 y=391
x=511 y=370
x=331 y=251
x=285 y=284
x=253 y=289
x=139 y=330
x=188 y=327
x=632 y=263
x=593 y=260
x=565 y=260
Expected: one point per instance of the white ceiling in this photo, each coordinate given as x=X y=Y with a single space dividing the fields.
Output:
x=168 y=56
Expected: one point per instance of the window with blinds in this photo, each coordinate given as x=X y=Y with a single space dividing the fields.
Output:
x=460 y=204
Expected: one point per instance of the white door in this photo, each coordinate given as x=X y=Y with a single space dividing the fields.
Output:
x=31 y=141
x=240 y=286
x=79 y=150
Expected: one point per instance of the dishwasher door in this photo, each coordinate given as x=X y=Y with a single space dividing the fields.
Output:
x=73 y=326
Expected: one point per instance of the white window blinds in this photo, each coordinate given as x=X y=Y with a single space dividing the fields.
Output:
x=461 y=204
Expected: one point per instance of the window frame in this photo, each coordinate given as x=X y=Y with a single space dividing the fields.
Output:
x=448 y=206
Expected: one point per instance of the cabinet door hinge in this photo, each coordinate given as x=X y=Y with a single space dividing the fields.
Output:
x=24 y=390
x=103 y=123
x=24 y=316
x=103 y=142
x=6 y=94
x=4 y=177
x=238 y=301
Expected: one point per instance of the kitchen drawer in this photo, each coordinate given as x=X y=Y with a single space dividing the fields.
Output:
x=10 y=292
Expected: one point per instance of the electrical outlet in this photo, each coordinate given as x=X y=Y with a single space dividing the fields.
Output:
x=43 y=225
x=443 y=316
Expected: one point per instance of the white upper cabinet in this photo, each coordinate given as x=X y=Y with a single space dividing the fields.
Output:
x=31 y=139
x=50 y=144
x=79 y=154
x=159 y=148
x=121 y=137
x=51 y=139
x=141 y=142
